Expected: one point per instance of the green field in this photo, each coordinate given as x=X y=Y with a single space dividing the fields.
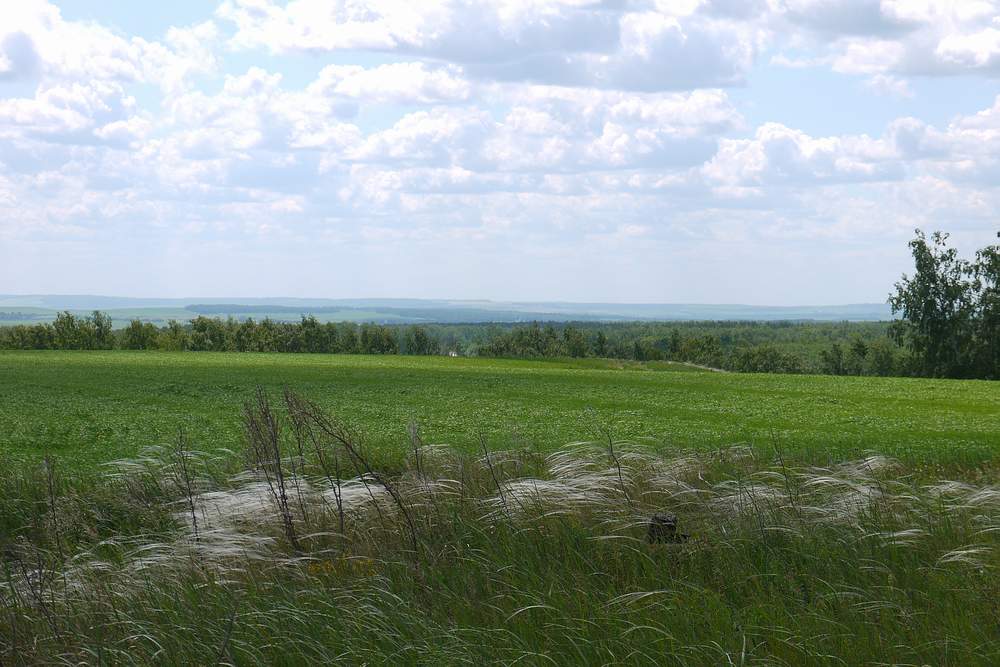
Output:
x=87 y=408
x=293 y=548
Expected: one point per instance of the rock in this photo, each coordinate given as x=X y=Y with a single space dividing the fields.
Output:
x=663 y=529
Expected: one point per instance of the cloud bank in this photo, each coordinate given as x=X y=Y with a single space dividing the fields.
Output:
x=514 y=149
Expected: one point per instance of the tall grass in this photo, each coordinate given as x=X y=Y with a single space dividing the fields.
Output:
x=301 y=550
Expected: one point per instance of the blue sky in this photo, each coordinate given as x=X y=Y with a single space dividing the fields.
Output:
x=719 y=151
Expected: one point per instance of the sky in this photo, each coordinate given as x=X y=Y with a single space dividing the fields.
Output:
x=774 y=152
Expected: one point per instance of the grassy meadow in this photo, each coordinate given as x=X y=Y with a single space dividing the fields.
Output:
x=88 y=408
x=809 y=520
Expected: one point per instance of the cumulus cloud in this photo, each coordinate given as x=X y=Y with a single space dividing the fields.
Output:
x=81 y=73
x=885 y=84
x=674 y=45
x=394 y=83
x=781 y=155
x=899 y=37
x=35 y=40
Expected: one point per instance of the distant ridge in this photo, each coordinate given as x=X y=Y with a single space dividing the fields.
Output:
x=42 y=307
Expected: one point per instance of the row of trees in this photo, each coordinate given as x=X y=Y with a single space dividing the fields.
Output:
x=68 y=332
x=94 y=332
x=739 y=346
x=775 y=347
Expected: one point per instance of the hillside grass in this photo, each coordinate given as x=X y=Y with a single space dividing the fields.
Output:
x=88 y=408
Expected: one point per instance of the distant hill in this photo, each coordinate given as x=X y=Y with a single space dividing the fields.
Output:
x=36 y=308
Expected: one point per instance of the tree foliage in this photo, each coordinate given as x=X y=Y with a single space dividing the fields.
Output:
x=949 y=312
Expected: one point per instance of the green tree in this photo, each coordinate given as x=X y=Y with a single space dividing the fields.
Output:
x=856 y=361
x=67 y=334
x=881 y=358
x=173 y=337
x=674 y=344
x=207 y=334
x=315 y=337
x=832 y=360
x=574 y=341
x=347 y=341
x=987 y=282
x=102 y=331
x=937 y=306
x=601 y=345
x=416 y=340
x=139 y=335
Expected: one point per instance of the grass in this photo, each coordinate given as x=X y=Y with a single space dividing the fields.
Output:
x=88 y=408
x=514 y=557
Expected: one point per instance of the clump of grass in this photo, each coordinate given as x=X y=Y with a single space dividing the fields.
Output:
x=301 y=550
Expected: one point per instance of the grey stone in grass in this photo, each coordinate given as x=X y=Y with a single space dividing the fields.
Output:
x=663 y=529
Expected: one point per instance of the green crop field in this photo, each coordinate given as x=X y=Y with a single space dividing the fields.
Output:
x=88 y=408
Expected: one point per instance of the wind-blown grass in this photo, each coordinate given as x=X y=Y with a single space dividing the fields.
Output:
x=497 y=557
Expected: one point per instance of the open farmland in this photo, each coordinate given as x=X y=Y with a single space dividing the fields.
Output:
x=88 y=408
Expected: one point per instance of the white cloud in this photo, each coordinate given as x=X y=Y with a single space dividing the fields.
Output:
x=67 y=112
x=780 y=155
x=899 y=37
x=886 y=84
x=977 y=50
x=562 y=42
x=35 y=41
x=395 y=83
x=634 y=45
x=440 y=136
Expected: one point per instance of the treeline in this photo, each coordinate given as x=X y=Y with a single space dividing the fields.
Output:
x=746 y=347
x=772 y=347
x=94 y=332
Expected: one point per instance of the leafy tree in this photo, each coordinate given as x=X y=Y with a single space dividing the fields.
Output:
x=268 y=335
x=703 y=350
x=243 y=336
x=856 y=361
x=674 y=344
x=576 y=344
x=101 y=331
x=173 y=337
x=139 y=335
x=765 y=359
x=348 y=339
x=881 y=358
x=833 y=360
x=987 y=284
x=937 y=306
x=416 y=340
x=67 y=332
x=551 y=346
x=377 y=339
x=207 y=334
x=315 y=337
x=601 y=345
